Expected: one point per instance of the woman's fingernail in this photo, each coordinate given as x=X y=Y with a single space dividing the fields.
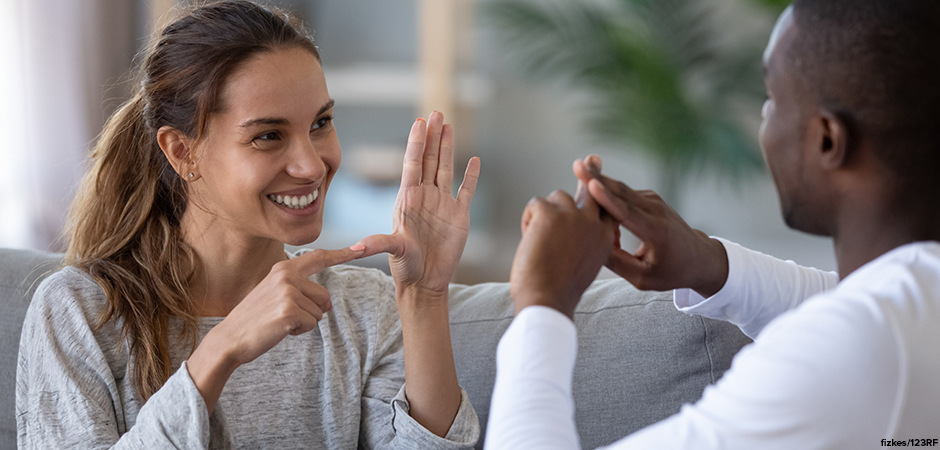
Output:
x=357 y=248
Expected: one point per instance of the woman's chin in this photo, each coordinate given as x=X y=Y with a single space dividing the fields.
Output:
x=302 y=238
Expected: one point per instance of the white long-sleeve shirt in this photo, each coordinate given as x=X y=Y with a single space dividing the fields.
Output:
x=833 y=365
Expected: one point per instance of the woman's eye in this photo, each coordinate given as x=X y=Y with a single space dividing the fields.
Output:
x=322 y=122
x=269 y=136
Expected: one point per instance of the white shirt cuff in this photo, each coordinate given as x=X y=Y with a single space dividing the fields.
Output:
x=540 y=342
x=691 y=302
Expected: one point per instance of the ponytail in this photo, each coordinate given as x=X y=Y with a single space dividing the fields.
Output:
x=124 y=231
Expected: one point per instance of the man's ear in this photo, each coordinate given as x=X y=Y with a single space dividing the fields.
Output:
x=833 y=141
x=178 y=150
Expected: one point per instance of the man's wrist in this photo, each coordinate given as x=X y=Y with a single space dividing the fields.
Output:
x=716 y=269
x=554 y=301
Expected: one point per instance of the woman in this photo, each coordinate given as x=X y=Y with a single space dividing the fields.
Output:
x=177 y=283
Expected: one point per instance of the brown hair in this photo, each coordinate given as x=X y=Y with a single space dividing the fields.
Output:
x=124 y=227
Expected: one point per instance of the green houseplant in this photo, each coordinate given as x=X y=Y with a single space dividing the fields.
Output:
x=661 y=79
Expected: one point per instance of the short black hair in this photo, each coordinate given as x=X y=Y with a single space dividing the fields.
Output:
x=876 y=64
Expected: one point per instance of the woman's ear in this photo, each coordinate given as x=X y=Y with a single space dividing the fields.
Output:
x=178 y=150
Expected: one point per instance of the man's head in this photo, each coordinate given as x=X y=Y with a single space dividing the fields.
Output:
x=852 y=85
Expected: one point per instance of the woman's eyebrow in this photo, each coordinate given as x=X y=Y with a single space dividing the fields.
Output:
x=264 y=121
x=280 y=120
x=327 y=106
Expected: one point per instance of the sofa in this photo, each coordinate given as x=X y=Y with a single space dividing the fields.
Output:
x=639 y=360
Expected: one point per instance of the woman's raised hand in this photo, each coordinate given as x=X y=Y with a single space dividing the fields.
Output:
x=430 y=226
x=430 y=229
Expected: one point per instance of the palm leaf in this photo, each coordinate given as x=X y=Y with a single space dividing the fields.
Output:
x=662 y=83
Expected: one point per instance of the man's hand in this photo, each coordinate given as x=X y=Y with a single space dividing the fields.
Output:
x=672 y=254
x=563 y=246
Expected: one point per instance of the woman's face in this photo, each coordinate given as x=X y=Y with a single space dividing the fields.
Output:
x=270 y=151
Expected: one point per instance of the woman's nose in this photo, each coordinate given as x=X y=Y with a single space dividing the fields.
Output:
x=305 y=162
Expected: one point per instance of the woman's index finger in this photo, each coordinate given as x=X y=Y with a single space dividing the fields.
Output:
x=314 y=261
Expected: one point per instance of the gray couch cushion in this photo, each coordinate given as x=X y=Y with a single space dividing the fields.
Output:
x=20 y=273
x=639 y=359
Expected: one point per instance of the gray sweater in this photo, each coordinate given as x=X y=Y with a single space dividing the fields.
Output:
x=340 y=386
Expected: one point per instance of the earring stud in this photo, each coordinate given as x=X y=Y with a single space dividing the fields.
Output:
x=191 y=175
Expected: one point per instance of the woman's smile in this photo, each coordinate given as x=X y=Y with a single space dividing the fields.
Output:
x=299 y=202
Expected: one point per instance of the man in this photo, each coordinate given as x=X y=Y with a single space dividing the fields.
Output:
x=848 y=134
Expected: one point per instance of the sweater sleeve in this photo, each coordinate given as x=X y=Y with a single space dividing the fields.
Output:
x=759 y=288
x=386 y=422
x=67 y=395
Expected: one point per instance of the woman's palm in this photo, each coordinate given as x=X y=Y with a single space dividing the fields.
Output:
x=430 y=226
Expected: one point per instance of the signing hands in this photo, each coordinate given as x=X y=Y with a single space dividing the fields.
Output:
x=429 y=225
x=565 y=241
x=672 y=255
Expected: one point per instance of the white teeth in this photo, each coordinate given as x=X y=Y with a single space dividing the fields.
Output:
x=295 y=202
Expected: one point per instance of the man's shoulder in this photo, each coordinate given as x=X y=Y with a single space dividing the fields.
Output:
x=907 y=276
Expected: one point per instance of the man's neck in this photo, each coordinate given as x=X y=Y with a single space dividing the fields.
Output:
x=875 y=228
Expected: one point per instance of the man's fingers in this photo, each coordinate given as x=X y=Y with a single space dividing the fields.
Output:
x=432 y=147
x=580 y=171
x=414 y=154
x=627 y=266
x=634 y=219
x=382 y=243
x=587 y=168
x=469 y=185
x=594 y=165
x=535 y=206
x=445 y=167
x=615 y=206
x=581 y=194
x=314 y=261
x=592 y=208
x=623 y=191
x=561 y=198
x=527 y=214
